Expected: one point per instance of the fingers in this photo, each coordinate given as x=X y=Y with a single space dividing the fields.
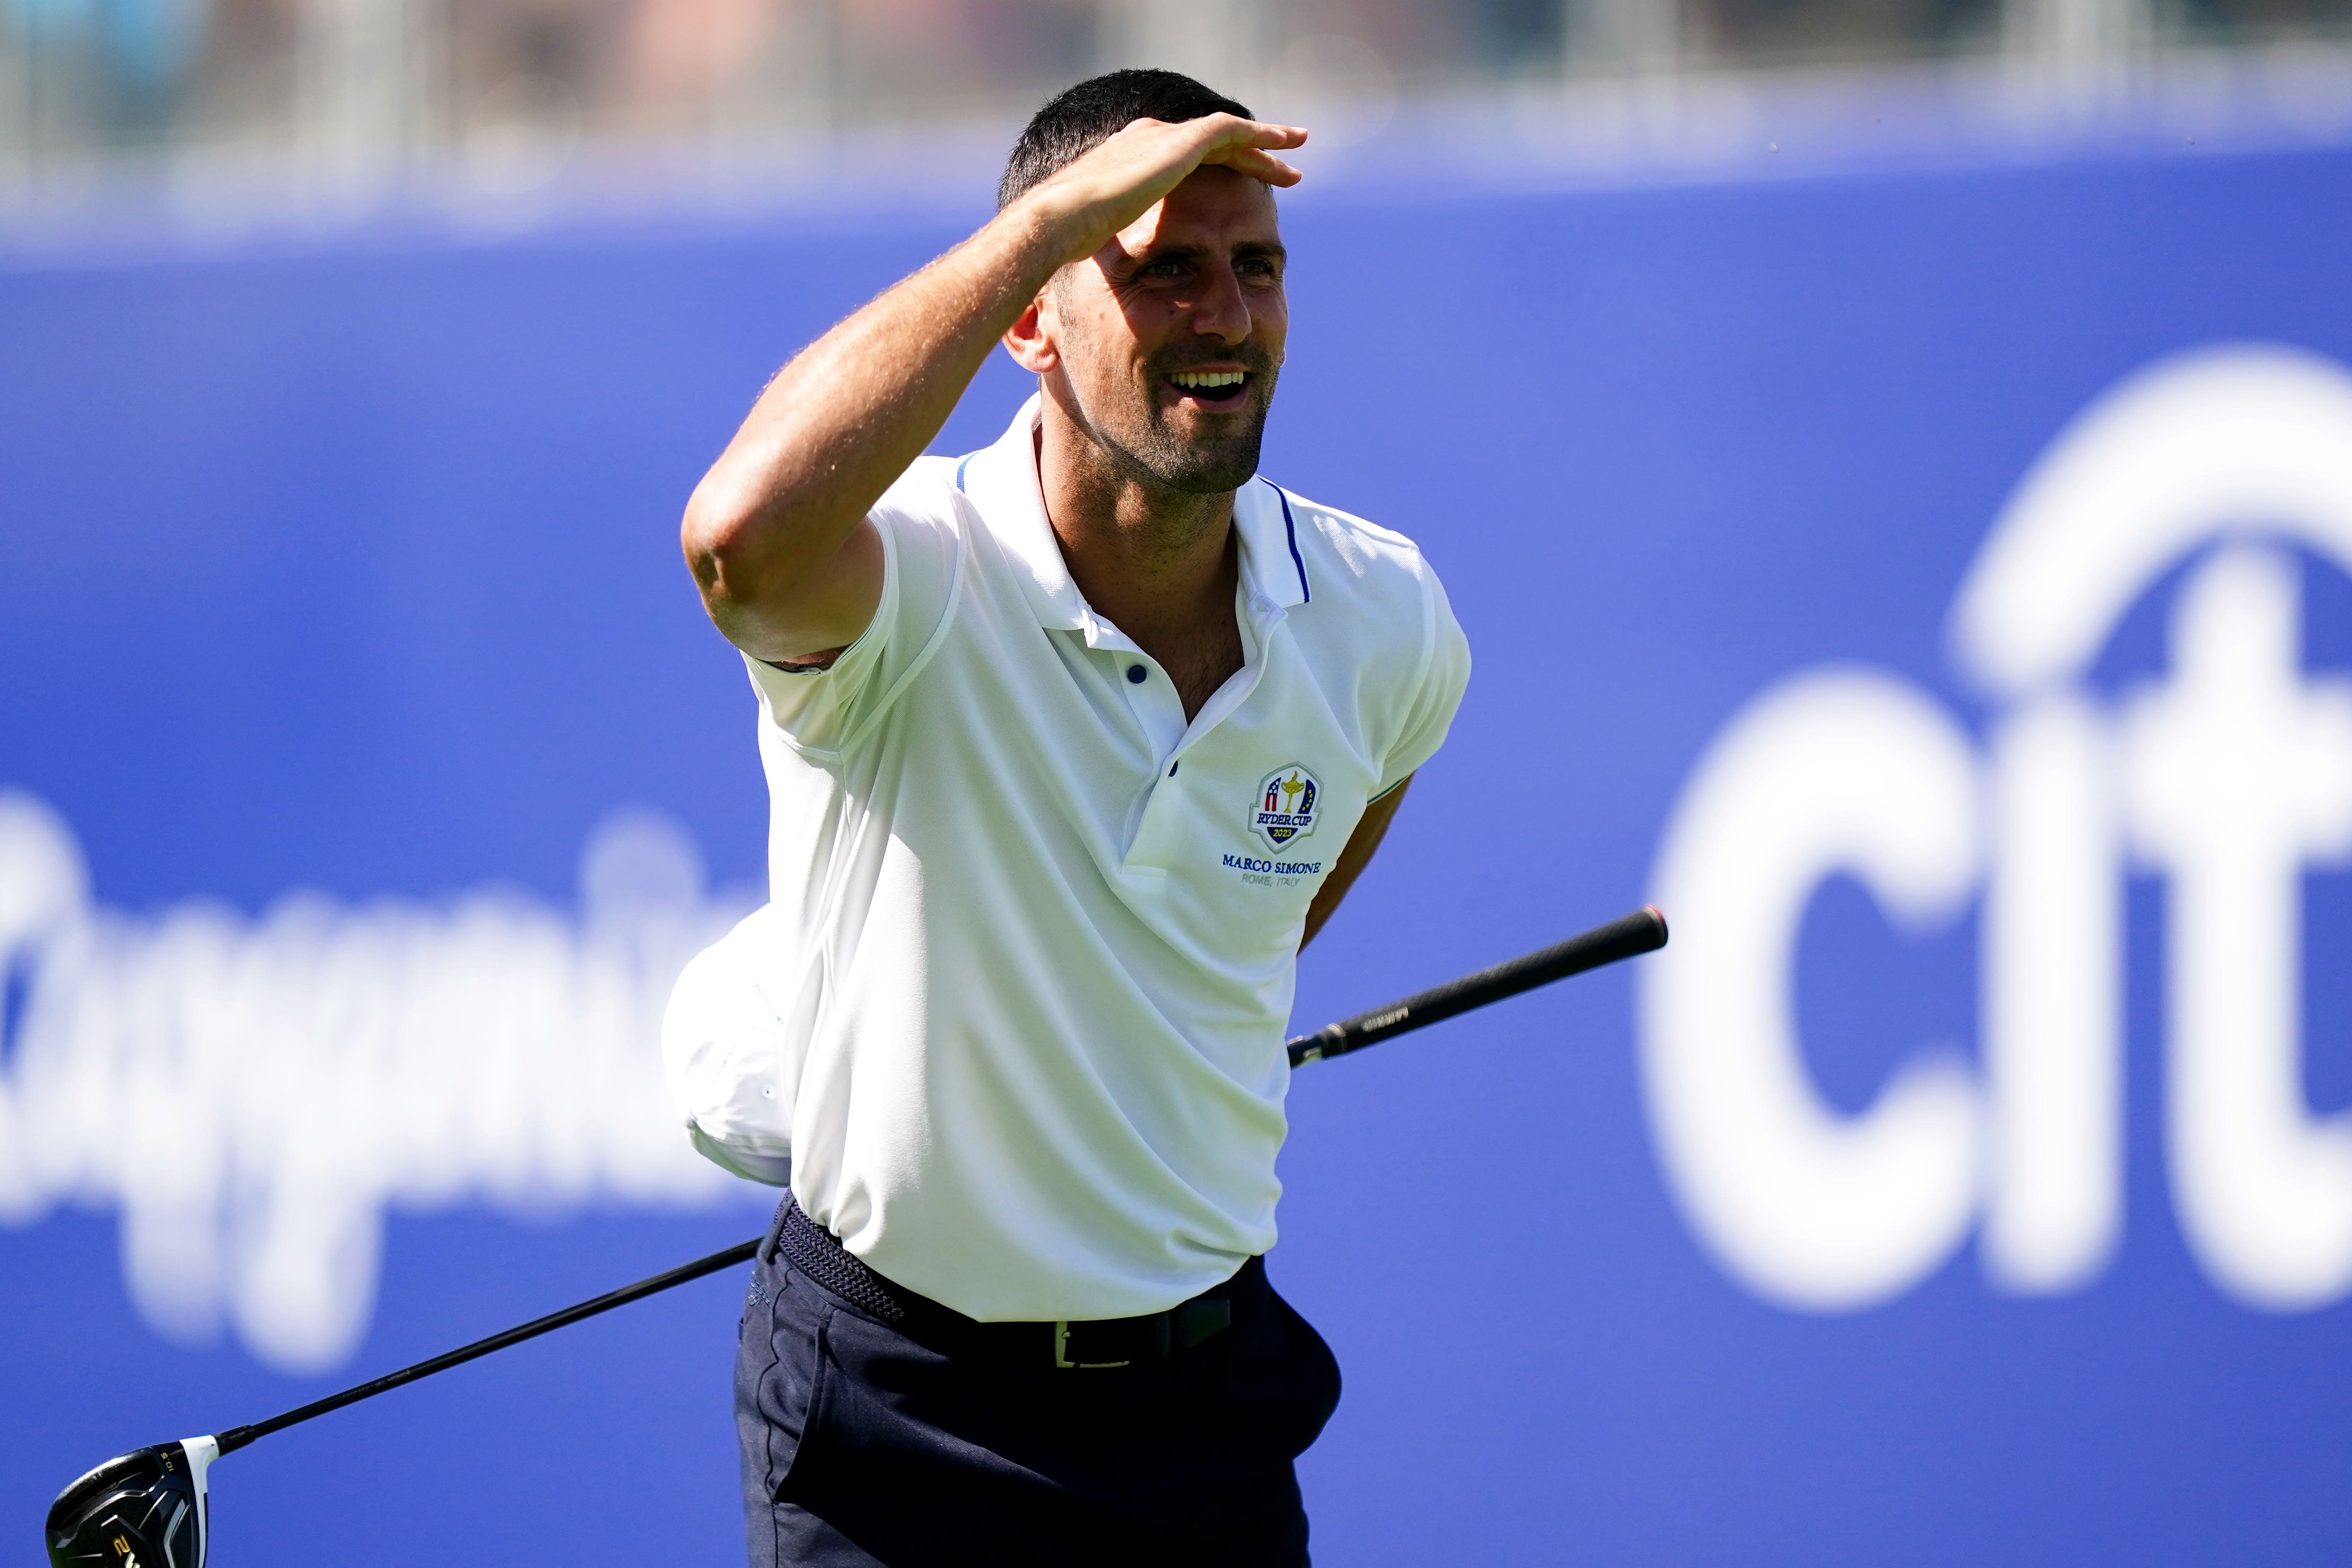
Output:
x=1257 y=164
x=1248 y=146
x=1265 y=133
x=1102 y=193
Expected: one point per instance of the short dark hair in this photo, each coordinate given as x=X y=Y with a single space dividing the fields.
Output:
x=1076 y=121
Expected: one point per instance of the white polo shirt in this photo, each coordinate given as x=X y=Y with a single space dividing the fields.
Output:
x=1015 y=1010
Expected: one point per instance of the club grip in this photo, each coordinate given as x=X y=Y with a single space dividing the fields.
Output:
x=1643 y=930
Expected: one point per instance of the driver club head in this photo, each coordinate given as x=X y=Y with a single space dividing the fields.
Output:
x=144 y=1509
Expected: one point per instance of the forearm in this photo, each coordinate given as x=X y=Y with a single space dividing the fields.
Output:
x=842 y=421
x=1354 y=856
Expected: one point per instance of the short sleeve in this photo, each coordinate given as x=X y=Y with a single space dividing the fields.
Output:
x=828 y=710
x=1445 y=676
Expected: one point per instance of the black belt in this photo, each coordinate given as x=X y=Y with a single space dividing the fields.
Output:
x=1088 y=1344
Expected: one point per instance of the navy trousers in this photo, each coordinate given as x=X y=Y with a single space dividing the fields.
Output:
x=861 y=1446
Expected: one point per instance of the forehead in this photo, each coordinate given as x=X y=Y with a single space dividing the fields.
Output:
x=1216 y=206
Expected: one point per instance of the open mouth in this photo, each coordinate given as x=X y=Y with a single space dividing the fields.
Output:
x=1211 y=388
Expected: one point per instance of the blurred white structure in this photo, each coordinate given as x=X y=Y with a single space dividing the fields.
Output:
x=2229 y=777
x=253 y=1095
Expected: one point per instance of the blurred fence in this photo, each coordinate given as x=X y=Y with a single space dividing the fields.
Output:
x=349 y=90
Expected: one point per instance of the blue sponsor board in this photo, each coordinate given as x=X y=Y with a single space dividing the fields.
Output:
x=1932 y=587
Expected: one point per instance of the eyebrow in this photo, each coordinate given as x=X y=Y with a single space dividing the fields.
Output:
x=1246 y=249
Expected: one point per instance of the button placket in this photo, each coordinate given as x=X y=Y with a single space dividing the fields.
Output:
x=1159 y=718
x=1257 y=634
x=1151 y=698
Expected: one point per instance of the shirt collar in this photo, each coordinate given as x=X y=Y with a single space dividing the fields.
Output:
x=1273 y=568
x=1000 y=481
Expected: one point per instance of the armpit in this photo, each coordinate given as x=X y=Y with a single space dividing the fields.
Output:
x=810 y=664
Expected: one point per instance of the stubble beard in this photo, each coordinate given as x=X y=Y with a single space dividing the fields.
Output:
x=1150 y=451
x=1213 y=465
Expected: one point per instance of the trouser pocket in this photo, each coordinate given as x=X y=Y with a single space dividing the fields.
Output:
x=779 y=1381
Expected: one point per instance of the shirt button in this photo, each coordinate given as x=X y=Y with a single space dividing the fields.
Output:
x=1135 y=674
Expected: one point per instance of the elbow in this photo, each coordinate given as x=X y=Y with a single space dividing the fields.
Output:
x=762 y=562
x=717 y=534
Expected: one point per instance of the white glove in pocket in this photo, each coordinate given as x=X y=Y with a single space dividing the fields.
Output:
x=731 y=1059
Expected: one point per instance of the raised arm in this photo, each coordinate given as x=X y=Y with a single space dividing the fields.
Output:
x=775 y=533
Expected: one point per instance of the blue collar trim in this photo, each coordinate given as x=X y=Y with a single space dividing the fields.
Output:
x=1290 y=531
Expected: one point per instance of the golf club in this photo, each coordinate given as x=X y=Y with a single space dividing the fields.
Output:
x=148 y=1508
x=1628 y=936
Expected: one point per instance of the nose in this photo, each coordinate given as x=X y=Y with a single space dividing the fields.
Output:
x=1223 y=311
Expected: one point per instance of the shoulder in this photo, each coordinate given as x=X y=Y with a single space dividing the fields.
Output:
x=1376 y=608
x=924 y=490
x=923 y=545
x=1349 y=558
x=1374 y=603
x=918 y=517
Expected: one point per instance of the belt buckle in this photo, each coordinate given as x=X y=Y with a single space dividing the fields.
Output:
x=1062 y=1348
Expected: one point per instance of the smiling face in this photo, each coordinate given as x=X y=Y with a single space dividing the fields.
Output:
x=1162 y=348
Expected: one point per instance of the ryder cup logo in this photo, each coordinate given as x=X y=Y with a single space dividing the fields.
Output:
x=1284 y=811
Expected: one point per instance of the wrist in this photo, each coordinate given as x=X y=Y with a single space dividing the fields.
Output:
x=1055 y=225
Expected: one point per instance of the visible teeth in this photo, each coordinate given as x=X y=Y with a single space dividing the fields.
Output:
x=1199 y=378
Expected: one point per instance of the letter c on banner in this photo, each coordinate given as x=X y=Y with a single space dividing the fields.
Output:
x=1834 y=770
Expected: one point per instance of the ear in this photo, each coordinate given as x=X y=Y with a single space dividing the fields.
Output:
x=1030 y=340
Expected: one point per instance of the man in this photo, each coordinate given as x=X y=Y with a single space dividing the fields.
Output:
x=1072 y=743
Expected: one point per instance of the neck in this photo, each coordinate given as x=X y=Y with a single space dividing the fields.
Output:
x=1157 y=564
